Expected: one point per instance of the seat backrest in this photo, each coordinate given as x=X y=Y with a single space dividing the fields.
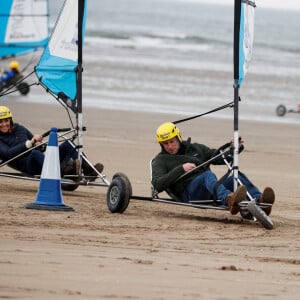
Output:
x=154 y=193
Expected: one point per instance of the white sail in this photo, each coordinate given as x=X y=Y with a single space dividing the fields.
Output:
x=23 y=26
x=246 y=37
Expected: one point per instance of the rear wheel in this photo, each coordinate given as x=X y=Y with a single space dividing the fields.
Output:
x=72 y=186
x=23 y=88
x=119 y=193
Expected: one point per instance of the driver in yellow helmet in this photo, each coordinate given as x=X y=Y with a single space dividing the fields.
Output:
x=13 y=71
x=178 y=156
x=15 y=139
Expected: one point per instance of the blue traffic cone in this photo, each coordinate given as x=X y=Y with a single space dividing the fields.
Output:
x=49 y=196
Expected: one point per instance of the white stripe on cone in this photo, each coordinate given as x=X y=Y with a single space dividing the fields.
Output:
x=51 y=166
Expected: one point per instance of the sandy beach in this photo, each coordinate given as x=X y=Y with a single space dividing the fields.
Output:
x=153 y=250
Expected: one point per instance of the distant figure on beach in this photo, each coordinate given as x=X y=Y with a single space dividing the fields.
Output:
x=15 y=139
x=13 y=71
x=178 y=156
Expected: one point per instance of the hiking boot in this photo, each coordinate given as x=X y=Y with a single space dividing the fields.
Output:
x=233 y=199
x=92 y=175
x=99 y=167
x=268 y=196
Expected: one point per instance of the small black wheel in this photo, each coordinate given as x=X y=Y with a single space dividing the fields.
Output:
x=280 y=110
x=118 y=194
x=72 y=186
x=127 y=181
x=23 y=88
x=128 y=190
x=260 y=215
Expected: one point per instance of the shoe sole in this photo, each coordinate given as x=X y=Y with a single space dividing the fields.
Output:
x=240 y=195
x=268 y=196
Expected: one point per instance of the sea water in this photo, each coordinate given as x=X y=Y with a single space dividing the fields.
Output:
x=176 y=57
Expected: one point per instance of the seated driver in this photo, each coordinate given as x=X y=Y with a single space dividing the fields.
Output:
x=15 y=139
x=178 y=156
x=9 y=74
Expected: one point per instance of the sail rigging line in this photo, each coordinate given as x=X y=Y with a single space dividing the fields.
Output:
x=230 y=104
x=31 y=61
x=59 y=100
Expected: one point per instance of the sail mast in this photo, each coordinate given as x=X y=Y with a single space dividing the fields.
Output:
x=243 y=41
x=79 y=76
x=237 y=17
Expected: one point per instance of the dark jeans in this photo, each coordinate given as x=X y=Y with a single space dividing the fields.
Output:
x=202 y=187
x=35 y=160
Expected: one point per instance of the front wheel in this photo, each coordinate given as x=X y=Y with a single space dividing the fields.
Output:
x=260 y=215
x=280 y=110
x=118 y=194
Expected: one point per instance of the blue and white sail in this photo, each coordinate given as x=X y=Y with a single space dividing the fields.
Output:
x=57 y=69
x=24 y=26
x=244 y=34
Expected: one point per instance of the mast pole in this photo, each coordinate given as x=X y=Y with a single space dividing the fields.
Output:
x=237 y=17
x=79 y=78
x=236 y=134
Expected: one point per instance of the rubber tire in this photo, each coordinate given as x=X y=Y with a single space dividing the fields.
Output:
x=69 y=187
x=280 y=110
x=128 y=190
x=260 y=215
x=118 y=194
x=23 y=88
x=127 y=181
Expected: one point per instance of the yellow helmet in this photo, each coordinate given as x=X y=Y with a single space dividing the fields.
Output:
x=167 y=131
x=5 y=113
x=14 y=65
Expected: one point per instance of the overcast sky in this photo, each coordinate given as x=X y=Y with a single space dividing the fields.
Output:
x=278 y=4
x=291 y=4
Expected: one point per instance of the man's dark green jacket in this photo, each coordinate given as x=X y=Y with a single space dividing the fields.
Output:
x=167 y=168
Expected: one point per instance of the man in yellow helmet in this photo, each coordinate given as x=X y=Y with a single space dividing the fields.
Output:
x=178 y=156
x=15 y=139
